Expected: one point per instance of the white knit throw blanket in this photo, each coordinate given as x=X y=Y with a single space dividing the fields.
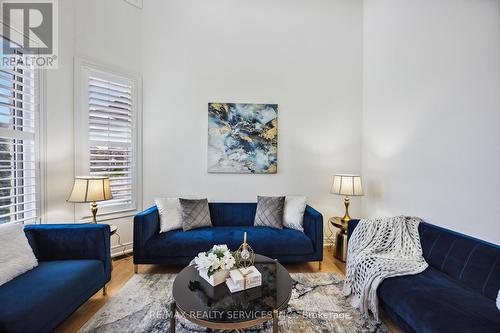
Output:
x=380 y=249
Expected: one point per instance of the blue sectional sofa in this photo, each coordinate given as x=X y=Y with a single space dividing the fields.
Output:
x=456 y=293
x=229 y=221
x=73 y=264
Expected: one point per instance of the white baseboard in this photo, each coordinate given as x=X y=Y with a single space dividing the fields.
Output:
x=121 y=249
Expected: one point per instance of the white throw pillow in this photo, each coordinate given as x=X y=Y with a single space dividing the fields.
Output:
x=16 y=255
x=498 y=300
x=170 y=213
x=293 y=215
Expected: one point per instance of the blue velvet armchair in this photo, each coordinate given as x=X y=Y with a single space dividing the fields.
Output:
x=229 y=222
x=73 y=264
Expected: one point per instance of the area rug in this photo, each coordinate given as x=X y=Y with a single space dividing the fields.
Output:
x=316 y=305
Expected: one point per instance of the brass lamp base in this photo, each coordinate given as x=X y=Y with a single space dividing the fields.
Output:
x=93 y=208
x=345 y=220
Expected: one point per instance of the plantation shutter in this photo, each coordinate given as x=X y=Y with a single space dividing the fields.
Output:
x=111 y=136
x=19 y=169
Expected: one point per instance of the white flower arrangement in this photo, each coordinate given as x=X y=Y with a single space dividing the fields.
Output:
x=215 y=259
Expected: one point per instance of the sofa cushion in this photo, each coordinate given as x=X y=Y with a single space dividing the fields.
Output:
x=263 y=240
x=170 y=213
x=33 y=301
x=232 y=214
x=473 y=262
x=16 y=256
x=434 y=302
x=269 y=212
x=195 y=213
x=293 y=212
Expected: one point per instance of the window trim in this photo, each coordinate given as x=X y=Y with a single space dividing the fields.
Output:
x=40 y=144
x=81 y=136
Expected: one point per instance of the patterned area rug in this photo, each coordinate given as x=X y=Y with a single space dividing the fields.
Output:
x=316 y=305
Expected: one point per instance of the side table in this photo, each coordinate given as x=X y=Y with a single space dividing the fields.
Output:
x=113 y=228
x=340 y=239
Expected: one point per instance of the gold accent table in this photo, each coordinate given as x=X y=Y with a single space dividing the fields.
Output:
x=340 y=239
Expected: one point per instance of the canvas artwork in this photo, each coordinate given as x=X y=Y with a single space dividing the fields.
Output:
x=242 y=138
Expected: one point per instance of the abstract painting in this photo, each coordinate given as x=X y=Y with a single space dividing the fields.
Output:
x=242 y=138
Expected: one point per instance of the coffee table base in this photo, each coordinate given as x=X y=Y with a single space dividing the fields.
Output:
x=172 y=317
x=236 y=327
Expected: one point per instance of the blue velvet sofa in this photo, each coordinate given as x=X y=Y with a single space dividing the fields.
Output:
x=456 y=293
x=73 y=264
x=229 y=221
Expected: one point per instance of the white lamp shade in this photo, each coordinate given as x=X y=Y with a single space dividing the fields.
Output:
x=90 y=189
x=349 y=185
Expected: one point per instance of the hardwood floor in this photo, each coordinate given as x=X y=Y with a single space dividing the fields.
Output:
x=123 y=270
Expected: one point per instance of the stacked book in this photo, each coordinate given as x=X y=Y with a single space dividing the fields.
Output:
x=243 y=278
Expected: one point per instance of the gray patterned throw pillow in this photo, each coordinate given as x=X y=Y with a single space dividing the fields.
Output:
x=269 y=212
x=195 y=213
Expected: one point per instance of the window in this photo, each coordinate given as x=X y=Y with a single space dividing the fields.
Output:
x=108 y=136
x=19 y=130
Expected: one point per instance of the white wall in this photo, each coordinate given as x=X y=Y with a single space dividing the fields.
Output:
x=431 y=76
x=303 y=55
x=431 y=112
x=59 y=146
x=106 y=32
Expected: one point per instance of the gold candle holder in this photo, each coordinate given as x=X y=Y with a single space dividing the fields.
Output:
x=245 y=254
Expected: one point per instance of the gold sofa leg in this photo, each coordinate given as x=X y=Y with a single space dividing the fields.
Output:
x=136 y=268
x=104 y=291
x=319 y=265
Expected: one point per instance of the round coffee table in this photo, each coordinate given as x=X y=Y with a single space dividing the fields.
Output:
x=216 y=308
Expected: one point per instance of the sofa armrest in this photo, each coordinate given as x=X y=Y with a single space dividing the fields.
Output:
x=70 y=241
x=146 y=225
x=351 y=226
x=313 y=227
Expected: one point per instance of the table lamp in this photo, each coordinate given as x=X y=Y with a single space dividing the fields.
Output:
x=347 y=185
x=91 y=189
